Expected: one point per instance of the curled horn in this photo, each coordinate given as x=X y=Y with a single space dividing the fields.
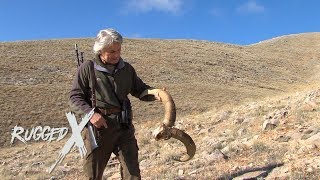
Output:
x=186 y=140
x=166 y=130
x=167 y=101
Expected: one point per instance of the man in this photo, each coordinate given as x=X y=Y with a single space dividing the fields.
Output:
x=115 y=79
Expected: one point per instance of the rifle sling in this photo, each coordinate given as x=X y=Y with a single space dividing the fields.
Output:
x=93 y=84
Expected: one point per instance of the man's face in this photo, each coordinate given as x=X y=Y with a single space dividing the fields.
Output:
x=111 y=54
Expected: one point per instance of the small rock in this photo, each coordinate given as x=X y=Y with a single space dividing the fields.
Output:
x=64 y=168
x=310 y=170
x=308 y=131
x=37 y=163
x=115 y=176
x=33 y=153
x=241 y=131
x=238 y=120
x=144 y=164
x=192 y=172
x=283 y=138
x=180 y=172
x=268 y=125
x=252 y=175
x=203 y=131
x=314 y=140
x=217 y=155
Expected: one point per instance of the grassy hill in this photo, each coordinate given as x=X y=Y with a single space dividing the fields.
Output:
x=223 y=94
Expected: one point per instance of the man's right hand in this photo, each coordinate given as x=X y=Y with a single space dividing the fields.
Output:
x=98 y=121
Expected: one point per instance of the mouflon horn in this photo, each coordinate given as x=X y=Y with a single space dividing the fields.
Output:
x=166 y=130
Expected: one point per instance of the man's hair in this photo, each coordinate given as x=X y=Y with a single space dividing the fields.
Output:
x=104 y=38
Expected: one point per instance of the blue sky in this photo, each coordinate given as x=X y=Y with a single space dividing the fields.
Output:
x=230 y=21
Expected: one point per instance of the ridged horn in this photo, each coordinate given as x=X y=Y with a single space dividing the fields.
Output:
x=167 y=101
x=166 y=131
x=186 y=140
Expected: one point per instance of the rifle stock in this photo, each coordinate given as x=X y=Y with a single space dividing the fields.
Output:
x=92 y=137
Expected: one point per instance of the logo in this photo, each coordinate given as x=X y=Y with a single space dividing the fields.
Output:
x=75 y=139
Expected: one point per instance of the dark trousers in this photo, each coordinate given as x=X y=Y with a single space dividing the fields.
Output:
x=122 y=142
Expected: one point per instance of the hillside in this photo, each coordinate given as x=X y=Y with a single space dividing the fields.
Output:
x=223 y=94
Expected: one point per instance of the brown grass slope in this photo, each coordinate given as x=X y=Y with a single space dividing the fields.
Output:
x=204 y=78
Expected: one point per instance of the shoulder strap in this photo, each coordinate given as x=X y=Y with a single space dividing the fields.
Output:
x=93 y=83
x=113 y=90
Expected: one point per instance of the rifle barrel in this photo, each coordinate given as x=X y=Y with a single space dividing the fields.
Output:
x=77 y=53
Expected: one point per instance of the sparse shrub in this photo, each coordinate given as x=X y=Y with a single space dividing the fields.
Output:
x=239 y=131
x=301 y=173
x=276 y=155
x=217 y=146
x=301 y=116
x=260 y=111
x=143 y=141
x=5 y=173
x=259 y=147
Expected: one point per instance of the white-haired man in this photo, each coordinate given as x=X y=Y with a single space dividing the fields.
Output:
x=115 y=79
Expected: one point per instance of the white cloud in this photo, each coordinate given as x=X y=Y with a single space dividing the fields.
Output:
x=171 y=6
x=251 y=7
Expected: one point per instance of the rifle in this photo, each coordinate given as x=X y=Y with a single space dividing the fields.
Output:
x=85 y=121
x=92 y=137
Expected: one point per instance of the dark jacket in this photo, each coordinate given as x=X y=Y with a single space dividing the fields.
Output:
x=124 y=81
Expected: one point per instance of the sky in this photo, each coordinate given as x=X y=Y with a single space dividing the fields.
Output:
x=241 y=22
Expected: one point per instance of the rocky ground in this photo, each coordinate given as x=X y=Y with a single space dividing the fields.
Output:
x=252 y=110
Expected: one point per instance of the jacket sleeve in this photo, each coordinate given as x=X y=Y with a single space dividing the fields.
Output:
x=138 y=86
x=80 y=93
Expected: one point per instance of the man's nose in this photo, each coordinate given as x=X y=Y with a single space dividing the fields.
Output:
x=117 y=54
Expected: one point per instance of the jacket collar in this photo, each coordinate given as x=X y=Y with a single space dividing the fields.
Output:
x=98 y=65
